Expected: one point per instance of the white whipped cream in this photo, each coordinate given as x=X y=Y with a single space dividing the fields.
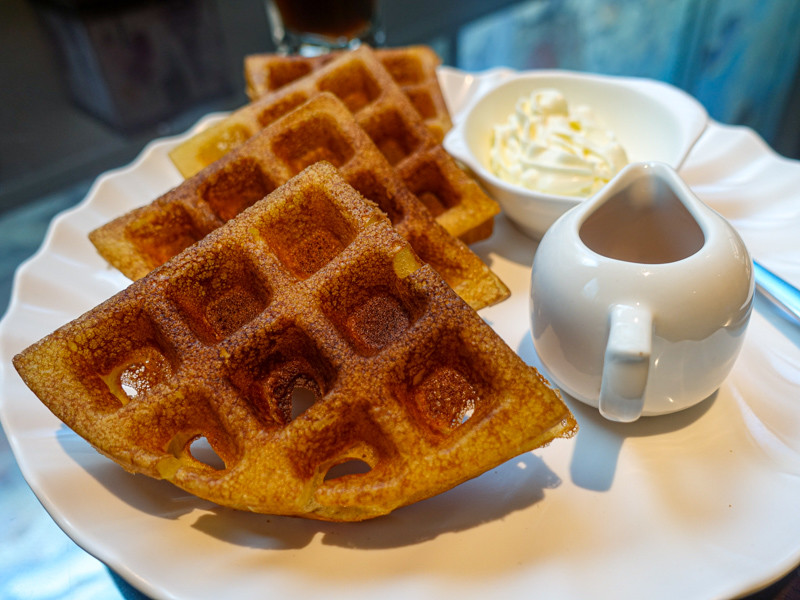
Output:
x=547 y=147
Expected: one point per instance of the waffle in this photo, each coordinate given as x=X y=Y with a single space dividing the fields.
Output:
x=413 y=68
x=322 y=128
x=383 y=110
x=330 y=375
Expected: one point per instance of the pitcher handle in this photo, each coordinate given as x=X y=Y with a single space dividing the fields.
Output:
x=626 y=364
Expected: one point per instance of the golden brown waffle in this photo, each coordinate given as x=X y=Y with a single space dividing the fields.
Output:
x=388 y=117
x=412 y=67
x=321 y=129
x=310 y=292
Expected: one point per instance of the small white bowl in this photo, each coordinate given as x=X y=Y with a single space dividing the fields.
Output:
x=653 y=121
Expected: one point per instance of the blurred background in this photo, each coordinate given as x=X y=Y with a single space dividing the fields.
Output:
x=86 y=83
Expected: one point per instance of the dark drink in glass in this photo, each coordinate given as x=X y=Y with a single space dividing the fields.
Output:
x=317 y=26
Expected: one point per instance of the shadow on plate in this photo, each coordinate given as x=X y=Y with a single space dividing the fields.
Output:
x=599 y=441
x=506 y=241
x=515 y=485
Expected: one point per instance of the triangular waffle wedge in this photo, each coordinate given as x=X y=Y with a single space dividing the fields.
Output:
x=310 y=292
x=412 y=67
x=323 y=128
x=360 y=80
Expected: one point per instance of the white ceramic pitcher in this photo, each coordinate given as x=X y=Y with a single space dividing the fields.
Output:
x=640 y=296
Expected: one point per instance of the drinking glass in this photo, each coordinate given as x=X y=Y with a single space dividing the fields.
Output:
x=312 y=27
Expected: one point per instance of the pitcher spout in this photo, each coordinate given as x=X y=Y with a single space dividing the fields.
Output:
x=646 y=215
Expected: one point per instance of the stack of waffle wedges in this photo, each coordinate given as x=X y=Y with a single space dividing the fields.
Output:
x=300 y=308
x=389 y=118
x=320 y=129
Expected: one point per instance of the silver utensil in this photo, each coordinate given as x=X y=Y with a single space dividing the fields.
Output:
x=780 y=292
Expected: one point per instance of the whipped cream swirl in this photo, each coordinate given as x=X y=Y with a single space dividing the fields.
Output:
x=546 y=147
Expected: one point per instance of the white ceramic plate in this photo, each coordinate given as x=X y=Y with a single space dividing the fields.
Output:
x=700 y=504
